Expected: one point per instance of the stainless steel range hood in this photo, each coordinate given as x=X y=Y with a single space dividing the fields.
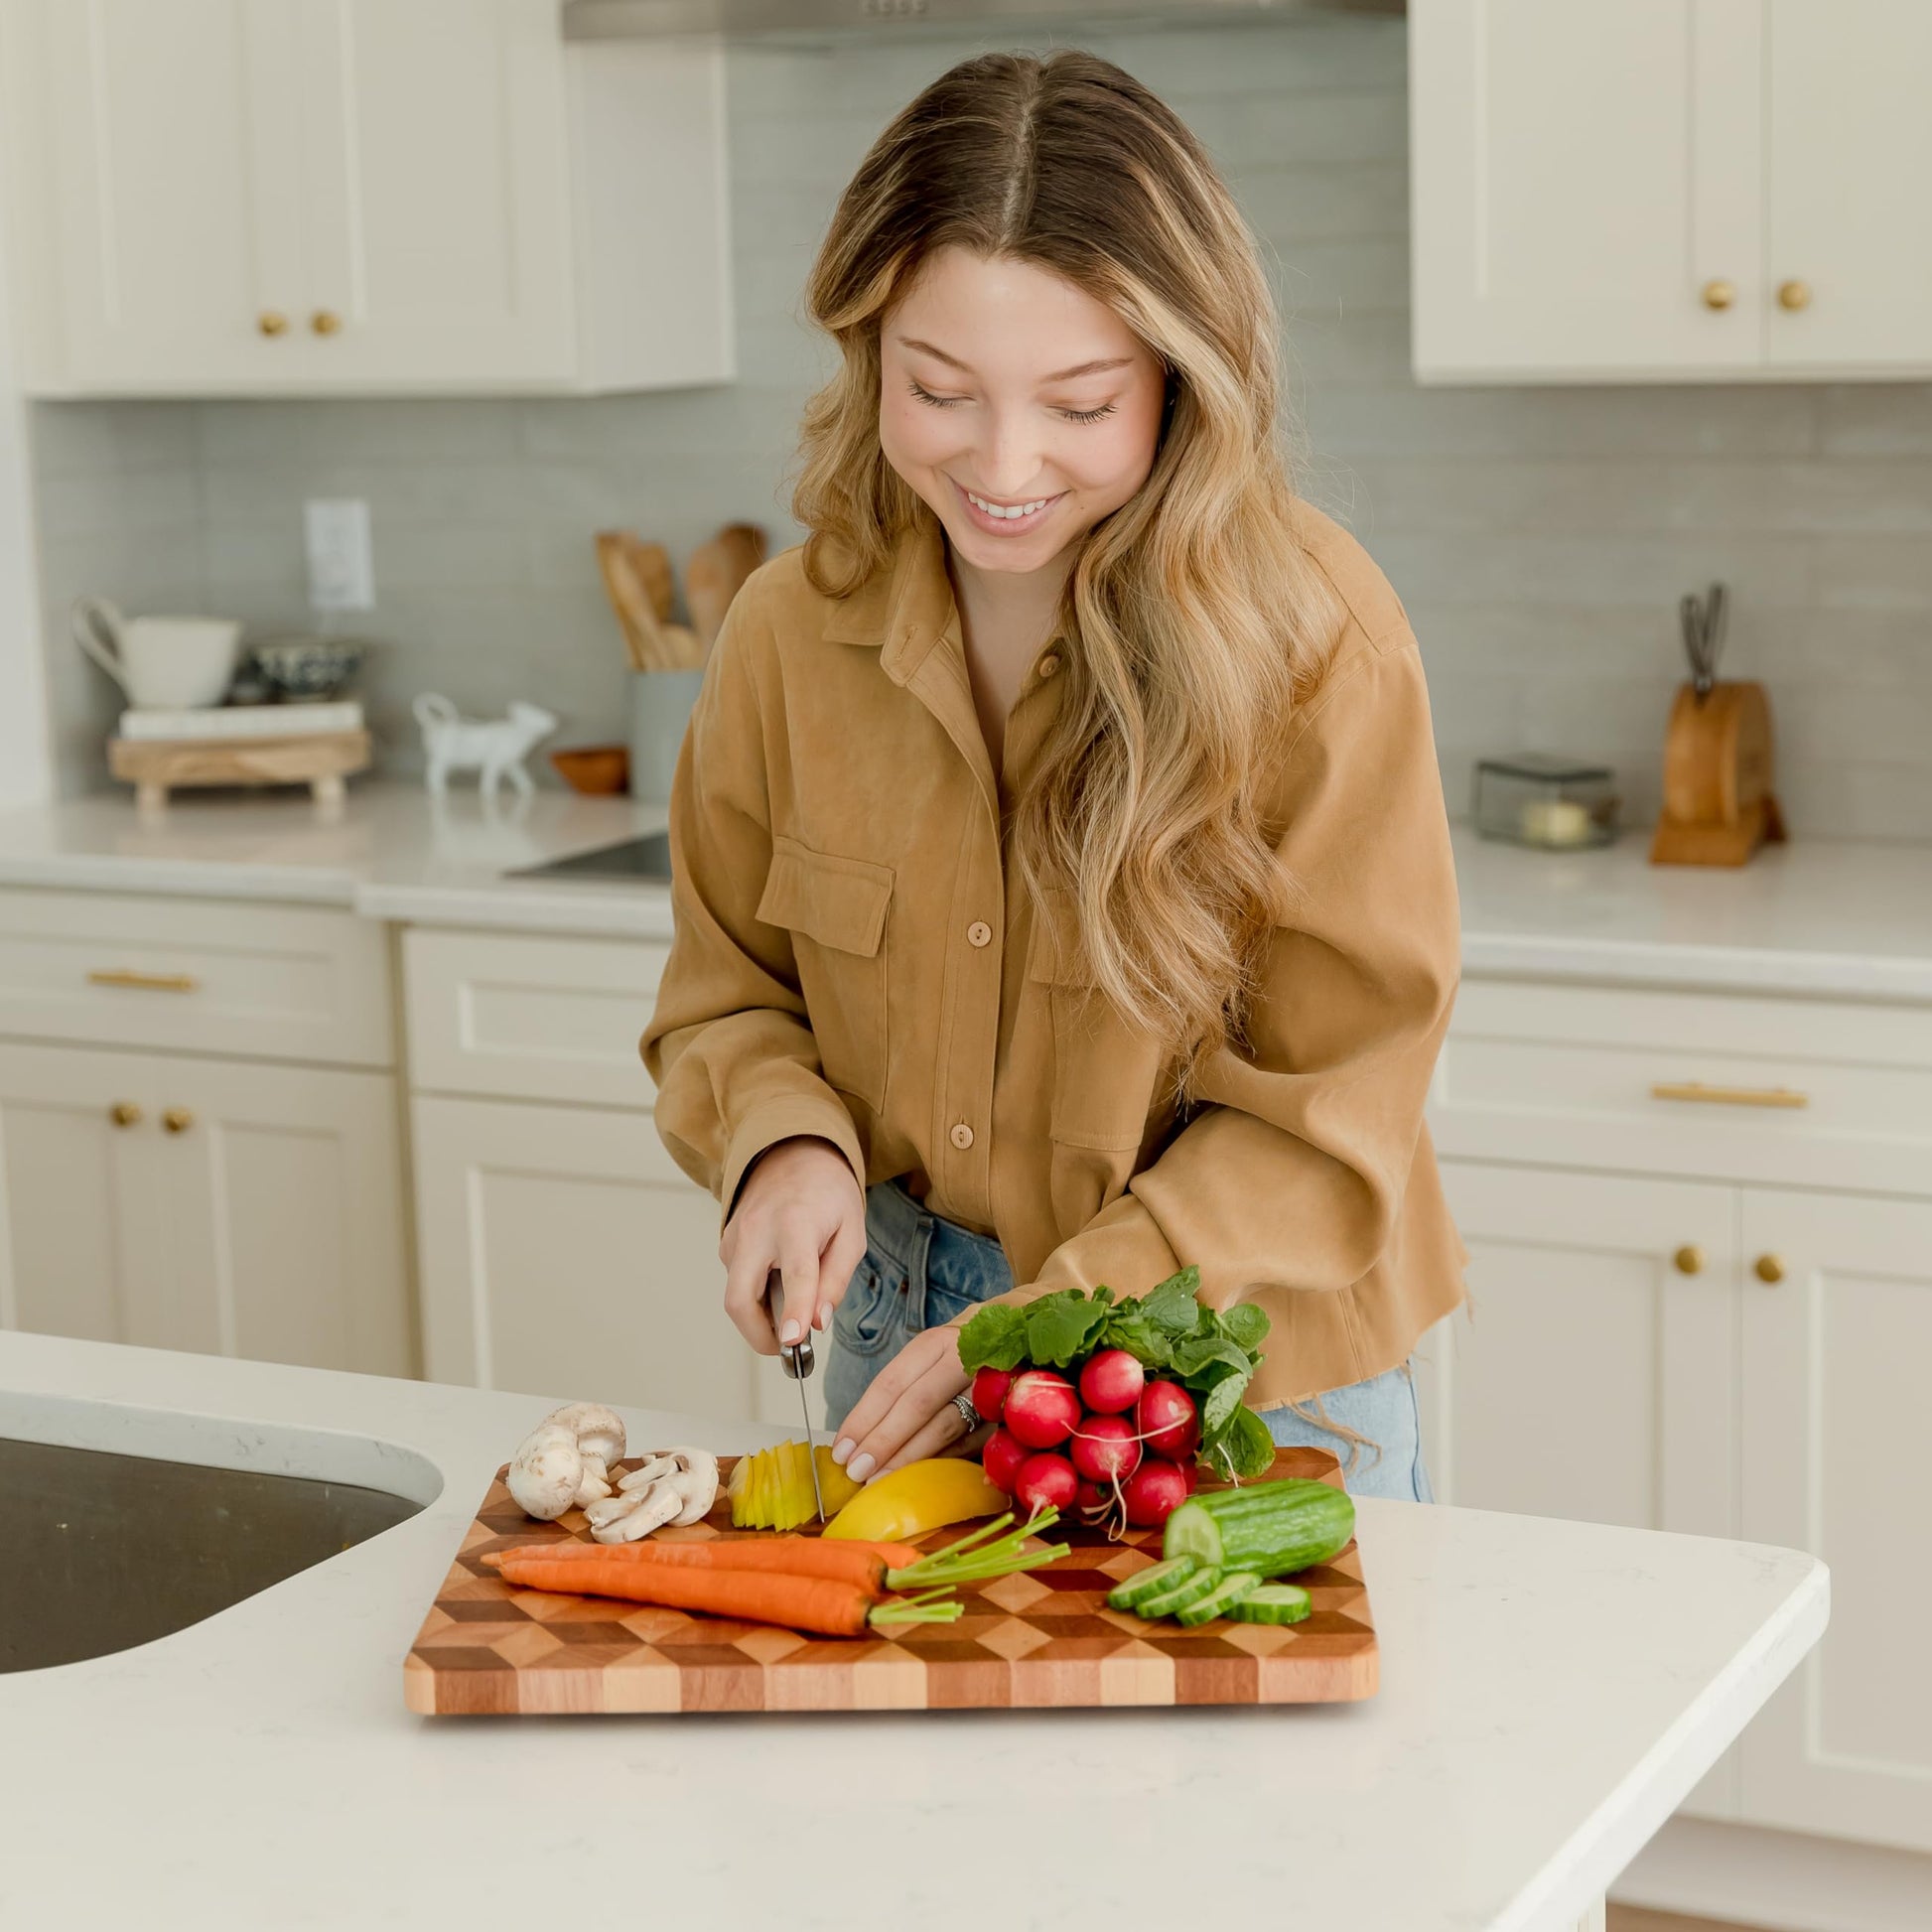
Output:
x=589 y=20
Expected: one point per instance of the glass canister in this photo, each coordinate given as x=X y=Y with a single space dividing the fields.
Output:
x=1533 y=798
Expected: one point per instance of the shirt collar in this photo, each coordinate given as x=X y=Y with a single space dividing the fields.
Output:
x=905 y=607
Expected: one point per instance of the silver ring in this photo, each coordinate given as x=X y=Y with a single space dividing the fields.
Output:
x=967 y=1412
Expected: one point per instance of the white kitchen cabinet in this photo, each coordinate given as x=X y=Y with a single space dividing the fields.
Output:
x=1679 y=189
x=1596 y=1378
x=563 y=1251
x=1834 y=1349
x=82 y=1211
x=1593 y=1137
x=218 y=1207
x=329 y=197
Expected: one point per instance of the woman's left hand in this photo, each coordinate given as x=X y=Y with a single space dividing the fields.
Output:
x=908 y=1413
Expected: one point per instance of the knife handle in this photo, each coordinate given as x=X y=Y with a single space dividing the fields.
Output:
x=798 y=1357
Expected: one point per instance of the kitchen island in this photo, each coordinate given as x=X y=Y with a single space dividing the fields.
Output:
x=1550 y=1691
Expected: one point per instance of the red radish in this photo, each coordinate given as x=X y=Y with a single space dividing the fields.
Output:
x=1154 y=1493
x=989 y=1395
x=1111 y=1383
x=1001 y=1459
x=1042 y=1408
x=1093 y=1499
x=1046 y=1482
x=1104 y=1446
x=1165 y=1421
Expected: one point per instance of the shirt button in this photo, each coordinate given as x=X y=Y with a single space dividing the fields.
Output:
x=1049 y=665
x=962 y=1136
x=979 y=933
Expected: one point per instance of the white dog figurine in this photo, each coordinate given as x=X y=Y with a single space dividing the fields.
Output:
x=496 y=747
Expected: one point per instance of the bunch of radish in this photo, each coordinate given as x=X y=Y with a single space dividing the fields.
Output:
x=1109 y=1442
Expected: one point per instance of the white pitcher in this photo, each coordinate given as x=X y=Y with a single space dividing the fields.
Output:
x=161 y=663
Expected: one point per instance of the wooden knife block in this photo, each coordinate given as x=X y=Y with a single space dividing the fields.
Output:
x=1719 y=807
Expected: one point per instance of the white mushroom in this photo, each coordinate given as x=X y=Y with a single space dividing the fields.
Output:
x=625 y=1517
x=566 y=1460
x=545 y=1472
x=648 y=1472
x=696 y=1482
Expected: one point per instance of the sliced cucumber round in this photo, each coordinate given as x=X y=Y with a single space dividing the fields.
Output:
x=1273 y=1604
x=1171 y=1602
x=1230 y=1590
x=1150 y=1581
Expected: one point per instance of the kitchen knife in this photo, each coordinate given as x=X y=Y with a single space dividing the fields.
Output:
x=799 y=1361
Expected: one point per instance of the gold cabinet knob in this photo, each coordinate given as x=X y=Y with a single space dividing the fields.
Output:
x=1720 y=293
x=1689 y=1259
x=1794 y=296
x=178 y=1120
x=325 y=322
x=1768 y=1268
x=124 y=1113
x=272 y=322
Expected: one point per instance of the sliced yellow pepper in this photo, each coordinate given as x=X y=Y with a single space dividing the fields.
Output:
x=920 y=1497
x=772 y=1489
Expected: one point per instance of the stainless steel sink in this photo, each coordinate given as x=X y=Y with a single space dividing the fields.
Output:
x=108 y=1551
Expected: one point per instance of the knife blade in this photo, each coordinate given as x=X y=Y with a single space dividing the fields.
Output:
x=799 y=1360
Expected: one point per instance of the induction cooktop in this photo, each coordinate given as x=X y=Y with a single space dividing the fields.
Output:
x=648 y=859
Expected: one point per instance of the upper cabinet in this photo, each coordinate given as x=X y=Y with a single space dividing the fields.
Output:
x=1670 y=189
x=342 y=197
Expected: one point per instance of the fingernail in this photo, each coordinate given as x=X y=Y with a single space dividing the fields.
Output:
x=789 y=1333
x=842 y=1449
x=858 y=1468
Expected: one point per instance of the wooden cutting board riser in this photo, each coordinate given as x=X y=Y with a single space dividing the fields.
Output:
x=1042 y=1638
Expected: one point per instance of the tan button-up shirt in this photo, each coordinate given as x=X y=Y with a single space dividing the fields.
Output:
x=851 y=959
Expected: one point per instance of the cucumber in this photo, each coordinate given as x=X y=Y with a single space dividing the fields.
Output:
x=1271 y=1528
x=1273 y=1604
x=1224 y=1599
x=1172 y=1601
x=1150 y=1581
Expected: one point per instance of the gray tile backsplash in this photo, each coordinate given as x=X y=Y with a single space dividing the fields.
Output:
x=1539 y=536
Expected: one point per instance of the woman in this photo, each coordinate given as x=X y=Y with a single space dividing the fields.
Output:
x=1064 y=891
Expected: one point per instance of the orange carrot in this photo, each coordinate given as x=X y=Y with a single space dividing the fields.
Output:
x=784 y=1556
x=834 y=1609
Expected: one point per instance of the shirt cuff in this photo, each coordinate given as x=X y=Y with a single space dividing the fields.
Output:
x=815 y=1117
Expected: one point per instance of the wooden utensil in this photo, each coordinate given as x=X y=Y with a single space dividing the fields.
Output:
x=715 y=573
x=636 y=614
x=1719 y=806
x=652 y=563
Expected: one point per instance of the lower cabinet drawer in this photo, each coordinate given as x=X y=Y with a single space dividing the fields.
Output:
x=530 y=1019
x=208 y=976
x=1810 y=1096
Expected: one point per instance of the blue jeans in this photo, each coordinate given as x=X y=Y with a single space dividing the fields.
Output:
x=921 y=1269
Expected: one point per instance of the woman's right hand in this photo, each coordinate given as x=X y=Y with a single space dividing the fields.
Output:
x=799 y=1211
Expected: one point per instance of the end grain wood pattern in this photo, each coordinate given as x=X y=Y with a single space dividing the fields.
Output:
x=1042 y=1638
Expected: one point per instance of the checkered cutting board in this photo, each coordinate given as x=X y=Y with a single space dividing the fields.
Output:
x=1042 y=1637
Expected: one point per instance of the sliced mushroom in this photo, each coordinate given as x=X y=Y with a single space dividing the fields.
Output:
x=696 y=1482
x=647 y=1473
x=628 y=1516
x=546 y=1471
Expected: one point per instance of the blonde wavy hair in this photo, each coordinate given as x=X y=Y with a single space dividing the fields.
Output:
x=1194 y=617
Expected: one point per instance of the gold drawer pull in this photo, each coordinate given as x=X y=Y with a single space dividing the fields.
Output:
x=1729 y=1096
x=178 y=1120
x=124 y=1113
x=145 y=981
x=1689 y=1259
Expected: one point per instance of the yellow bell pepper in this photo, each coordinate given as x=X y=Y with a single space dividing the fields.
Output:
x=920 y=1497
x=772 y=1489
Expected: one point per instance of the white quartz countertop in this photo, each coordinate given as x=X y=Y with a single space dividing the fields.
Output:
x=1816 y=917
x=1550 y=1692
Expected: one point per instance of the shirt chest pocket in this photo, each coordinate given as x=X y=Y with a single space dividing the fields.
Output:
x=836 y=912
x=1104 y=1071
